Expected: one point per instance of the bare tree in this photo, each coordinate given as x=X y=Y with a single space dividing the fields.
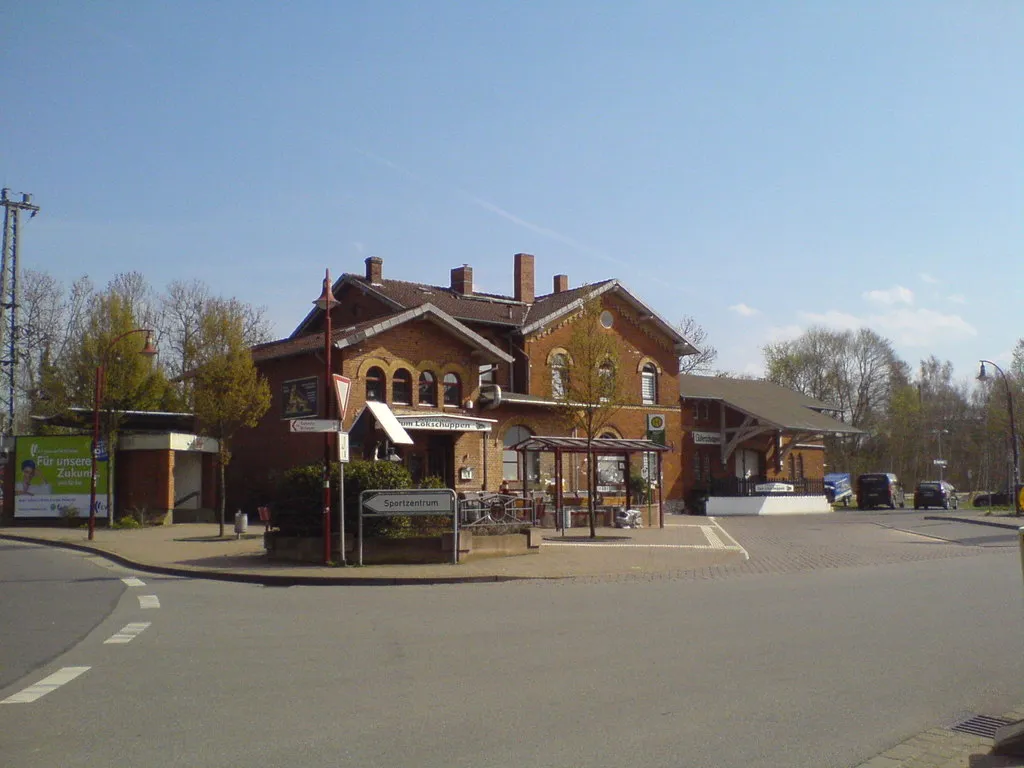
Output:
x=182 y=309
x=697 y=335
x=589 y=387
x=52 y=322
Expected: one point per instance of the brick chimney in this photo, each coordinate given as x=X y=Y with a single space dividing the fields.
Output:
x=374 y=270
x=524 y=278
x=561 y=284
x=462 y=279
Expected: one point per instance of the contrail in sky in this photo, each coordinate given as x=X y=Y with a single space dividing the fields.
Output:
x=492 y=208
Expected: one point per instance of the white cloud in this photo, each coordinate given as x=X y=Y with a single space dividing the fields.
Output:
x=957 y=298
x=834 y=319
x=743 y=309
x=754 y=369
x=925 y=277
x=895 y=295
x=904 y=326
x=922 y=327
x=784 y=333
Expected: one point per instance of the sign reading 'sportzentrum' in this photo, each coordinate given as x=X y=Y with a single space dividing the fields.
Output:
x=52 y=476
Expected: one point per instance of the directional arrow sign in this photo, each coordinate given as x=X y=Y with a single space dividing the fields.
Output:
x=409 y=502
x=315 y=425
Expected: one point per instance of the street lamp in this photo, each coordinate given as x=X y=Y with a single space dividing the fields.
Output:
x=1013 y=430
x=326 y=302
x=149 y=350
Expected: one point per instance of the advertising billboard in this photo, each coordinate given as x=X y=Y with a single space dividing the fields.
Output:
x=52 y=477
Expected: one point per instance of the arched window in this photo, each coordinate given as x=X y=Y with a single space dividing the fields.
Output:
x=452 y=389
x=375 y=385
x=511 y=468
x=559 y=375
x=607 y=380
x=428 y=388
x=401 y=387
x=649 y=384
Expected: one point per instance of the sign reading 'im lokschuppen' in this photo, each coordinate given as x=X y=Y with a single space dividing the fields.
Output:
x=446 y=423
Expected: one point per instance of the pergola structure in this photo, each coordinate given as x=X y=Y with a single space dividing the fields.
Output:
x=599 y=446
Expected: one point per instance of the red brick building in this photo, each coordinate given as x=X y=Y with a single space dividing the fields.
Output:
x=743 y=433
x=445 y=378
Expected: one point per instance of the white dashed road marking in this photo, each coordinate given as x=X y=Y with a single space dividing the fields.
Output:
x=128 y=633
x=44 y=686
x=131 y=581
x=713 y=540
x=149 y=601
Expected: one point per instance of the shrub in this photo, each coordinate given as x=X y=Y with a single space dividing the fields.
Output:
x=297 y=506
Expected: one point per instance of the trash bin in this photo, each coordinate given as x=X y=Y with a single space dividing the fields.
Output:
x=241 y=523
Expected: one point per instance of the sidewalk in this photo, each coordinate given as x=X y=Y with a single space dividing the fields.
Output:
x=195 y=550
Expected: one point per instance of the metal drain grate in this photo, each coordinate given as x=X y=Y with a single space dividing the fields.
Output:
x=980 y=725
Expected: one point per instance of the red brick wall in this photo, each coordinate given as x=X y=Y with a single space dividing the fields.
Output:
x=144 y=479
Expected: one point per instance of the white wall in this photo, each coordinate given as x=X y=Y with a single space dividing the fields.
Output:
x=767 y=505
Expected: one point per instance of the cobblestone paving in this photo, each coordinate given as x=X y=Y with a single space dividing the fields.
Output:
x=793 y=545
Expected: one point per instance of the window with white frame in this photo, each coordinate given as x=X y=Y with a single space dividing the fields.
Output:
x=511 y=461
x=649 y=384
x=401 y=387
x=559 y=375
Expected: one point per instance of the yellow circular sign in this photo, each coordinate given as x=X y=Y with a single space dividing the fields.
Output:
x=657 y=422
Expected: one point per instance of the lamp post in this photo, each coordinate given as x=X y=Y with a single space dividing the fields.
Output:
x=326 y=302
x=941 y=463
x=1013 y=431
x=149 y=350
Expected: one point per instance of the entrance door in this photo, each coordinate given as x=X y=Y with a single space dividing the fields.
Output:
x=748 y=464
x=441 y=458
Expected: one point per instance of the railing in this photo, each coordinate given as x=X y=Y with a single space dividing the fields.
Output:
x=482 y=509
x=734 y=486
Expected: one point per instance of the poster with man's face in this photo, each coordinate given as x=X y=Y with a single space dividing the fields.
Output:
x=52 y=477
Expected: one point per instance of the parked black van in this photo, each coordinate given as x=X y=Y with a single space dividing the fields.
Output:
x=879 y=489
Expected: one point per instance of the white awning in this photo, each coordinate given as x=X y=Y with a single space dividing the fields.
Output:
x=387 y=421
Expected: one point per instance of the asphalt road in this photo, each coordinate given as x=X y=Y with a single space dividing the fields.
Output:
x=49 y=600
x=826 y=666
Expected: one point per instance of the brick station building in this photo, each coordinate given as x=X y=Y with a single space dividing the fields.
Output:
x=445 y=378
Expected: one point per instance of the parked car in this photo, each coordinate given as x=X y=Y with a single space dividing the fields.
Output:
x=935 y=493
x=996 y=499
x=880 y=489
x=838 y=488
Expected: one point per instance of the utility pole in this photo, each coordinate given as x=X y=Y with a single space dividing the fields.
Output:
x=10 y=272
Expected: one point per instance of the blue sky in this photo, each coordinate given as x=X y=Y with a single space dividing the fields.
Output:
x=761 y=166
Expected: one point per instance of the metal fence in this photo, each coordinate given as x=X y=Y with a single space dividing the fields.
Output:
x=498 y=510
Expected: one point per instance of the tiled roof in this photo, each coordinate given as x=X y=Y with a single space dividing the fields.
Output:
x=474 y=307
x=765 y=400
x=353 y=334
x=491 y=308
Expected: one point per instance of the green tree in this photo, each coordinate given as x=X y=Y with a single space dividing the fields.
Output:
x=229 y=393
x=590 y=389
